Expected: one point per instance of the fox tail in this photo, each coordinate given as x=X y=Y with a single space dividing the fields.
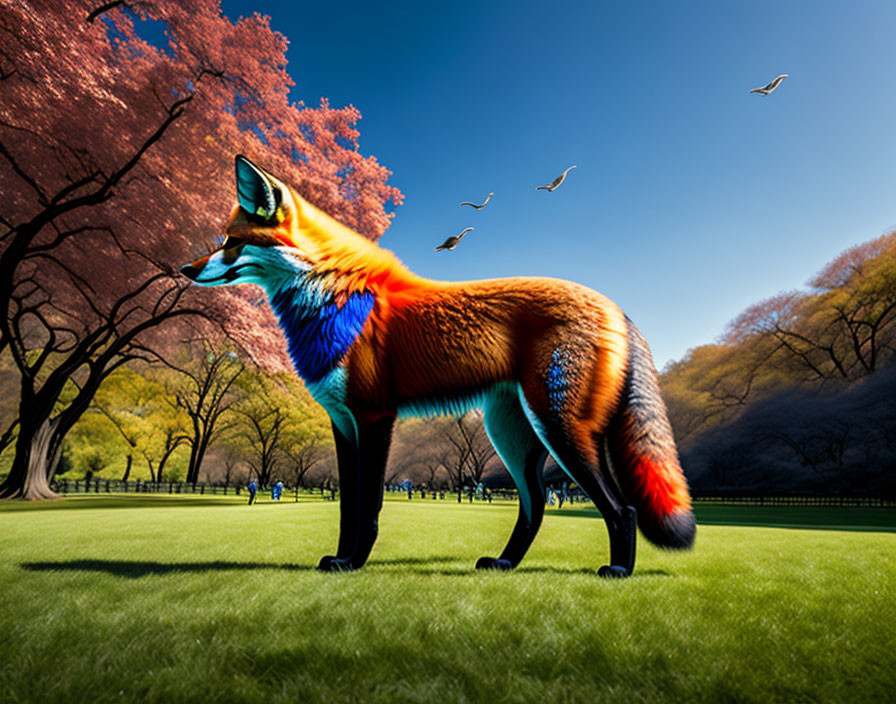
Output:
x=644 y=457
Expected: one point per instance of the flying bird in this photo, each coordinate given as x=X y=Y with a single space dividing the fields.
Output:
x=479 y=207
x=557 y=181
x=765 y=90
x=453 y=241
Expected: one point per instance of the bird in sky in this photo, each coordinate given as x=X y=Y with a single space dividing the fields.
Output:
x=765 y=90
x=453 y=241
x=479 y=207
x=557 y=181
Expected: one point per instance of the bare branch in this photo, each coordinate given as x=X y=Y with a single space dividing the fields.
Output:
x=24 y=175
x=104 y=8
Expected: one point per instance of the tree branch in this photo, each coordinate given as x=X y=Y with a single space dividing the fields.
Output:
x=103 y=8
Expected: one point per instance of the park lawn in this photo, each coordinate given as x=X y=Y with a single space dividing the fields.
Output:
x=219 y=601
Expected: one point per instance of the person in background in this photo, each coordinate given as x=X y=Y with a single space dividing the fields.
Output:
x=253 y=489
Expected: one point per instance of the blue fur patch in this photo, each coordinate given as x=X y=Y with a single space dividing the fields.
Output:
x=319 y=336
x=556 y=381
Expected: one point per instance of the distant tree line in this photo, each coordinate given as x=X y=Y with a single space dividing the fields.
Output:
x=203 y=416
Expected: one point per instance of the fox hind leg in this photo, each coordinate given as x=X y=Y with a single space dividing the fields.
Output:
x=523 y=454
x=579 y=452
x=624 y=529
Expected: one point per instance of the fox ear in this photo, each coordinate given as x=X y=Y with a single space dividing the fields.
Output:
x=255 y=189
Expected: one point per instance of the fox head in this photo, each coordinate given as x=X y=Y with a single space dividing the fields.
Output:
x=276 y=239
x=259 y=245
x=322 y=279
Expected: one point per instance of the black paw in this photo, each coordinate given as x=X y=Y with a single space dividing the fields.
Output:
x=493 y=563
x=331 y=563
x=613 y=572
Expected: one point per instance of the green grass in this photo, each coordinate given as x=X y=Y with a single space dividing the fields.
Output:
x=207 y=599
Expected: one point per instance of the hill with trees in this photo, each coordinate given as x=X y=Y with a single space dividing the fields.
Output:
x=797 y=397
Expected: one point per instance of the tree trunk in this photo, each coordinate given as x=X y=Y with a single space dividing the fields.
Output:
x=197 y=454
x=28 y=476
x=55 y=454
x=127 y=470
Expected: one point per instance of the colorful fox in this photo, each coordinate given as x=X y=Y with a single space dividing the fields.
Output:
x=555 y=367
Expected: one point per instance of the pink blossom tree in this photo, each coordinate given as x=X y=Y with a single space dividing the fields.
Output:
x=115 y=165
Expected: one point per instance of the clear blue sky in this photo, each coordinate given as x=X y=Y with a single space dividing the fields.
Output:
x=692 y=198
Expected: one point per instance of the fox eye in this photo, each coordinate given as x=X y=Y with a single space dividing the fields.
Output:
x=232 y=247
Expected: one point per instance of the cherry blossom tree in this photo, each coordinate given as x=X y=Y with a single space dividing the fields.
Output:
x=115 y=166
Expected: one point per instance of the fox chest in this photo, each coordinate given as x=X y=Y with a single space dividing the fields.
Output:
x=319 y=336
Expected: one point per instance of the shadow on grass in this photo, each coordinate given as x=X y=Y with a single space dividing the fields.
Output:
x=398 y=561
x=135 y=569
x=590 y=570
x=109 y=501
x=420 y=567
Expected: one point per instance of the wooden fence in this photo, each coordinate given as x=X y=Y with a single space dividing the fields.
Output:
x=106 y=486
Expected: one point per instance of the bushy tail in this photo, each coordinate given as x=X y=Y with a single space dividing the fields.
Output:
x=644 y=457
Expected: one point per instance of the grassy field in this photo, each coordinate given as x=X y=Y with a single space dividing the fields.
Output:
x=207 y=599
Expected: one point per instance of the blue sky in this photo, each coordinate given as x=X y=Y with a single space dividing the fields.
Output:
x=692 y=198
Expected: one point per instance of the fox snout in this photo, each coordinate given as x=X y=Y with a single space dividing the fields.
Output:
x=190 y=271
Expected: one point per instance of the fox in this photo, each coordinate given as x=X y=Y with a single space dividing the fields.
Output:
x=555 y=368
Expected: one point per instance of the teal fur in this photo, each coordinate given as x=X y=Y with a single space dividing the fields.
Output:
x=538 y=427
x=455 y=406
x=330 y=392
x=512 y=435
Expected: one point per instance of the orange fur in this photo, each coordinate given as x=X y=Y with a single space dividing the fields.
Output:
x=555 y=367
x=428 y=339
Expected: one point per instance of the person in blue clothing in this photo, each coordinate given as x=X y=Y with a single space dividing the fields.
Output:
x=253 y=489
x=277 y=491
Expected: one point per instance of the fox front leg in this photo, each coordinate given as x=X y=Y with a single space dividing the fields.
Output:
x=531 y=511
x=523 y=455
x=362 y=470
x=349 y=470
